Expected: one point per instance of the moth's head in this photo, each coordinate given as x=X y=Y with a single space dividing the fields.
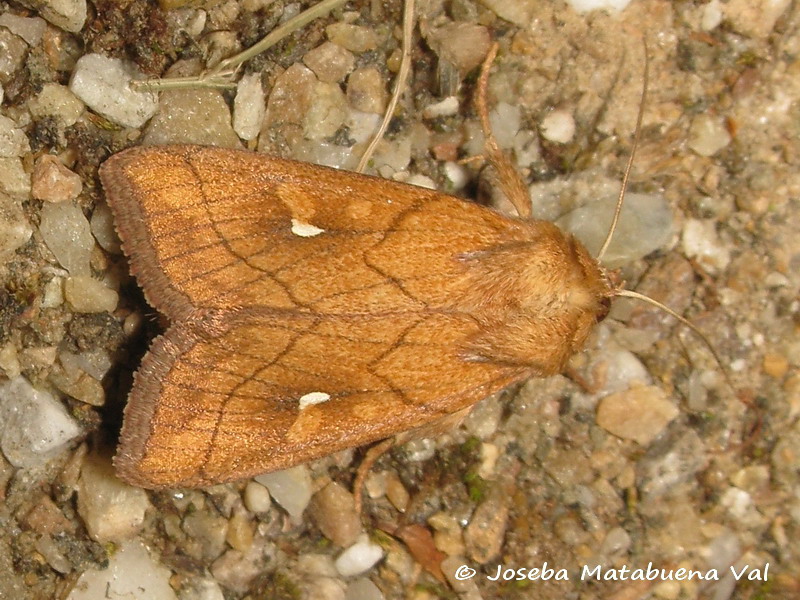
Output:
x=591 y=292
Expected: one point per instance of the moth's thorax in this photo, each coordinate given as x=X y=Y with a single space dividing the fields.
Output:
x=538 y=298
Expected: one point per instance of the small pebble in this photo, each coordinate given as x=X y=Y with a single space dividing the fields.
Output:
x=487 y=527
x=352 y=37
x=290 y=488
x=46 y=518
x=30 y=29
x=645 y=225
x=326 y=112
x=358 y=558
x=463 y=45
x=201 y=588
x=363 y=589
x=584 y=6
x=46 y=546
x=131 y=573
x=289 y=102
x=209 y=530
x=103 y=83
x=67 y=233
x=69 y=15
x=366 y=90
x=53 y=182
x=34 y=425
x=444 y=108
x=558 y=126
x=111 y=510
x=519 y=12
x=708 y=135
x=196 y=116
x=89 y=295
x=14 y=181
x=257 y=498
x=330 y=62
x=396 y=492
x=57 y=101
x=240 y=532
x=754 y=18
x=701 y=242
x=775 y=365
x=13 y=55
x=9 y=361
x=15 y=231
x=249 y=106
x=102 y=227
x=639 y=414
x=333 y=509
x=13 y=141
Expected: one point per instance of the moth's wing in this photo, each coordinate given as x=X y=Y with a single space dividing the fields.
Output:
x=205 y=410
x=216 y=229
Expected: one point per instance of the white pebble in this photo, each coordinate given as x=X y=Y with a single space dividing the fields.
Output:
x=69 y=15
x=30 y=29
x=558 y=126
x=102 y=226
x=111 y=510
x=584 y=6
x=443 y=108
x=363 y=589
x=708 y=135
x=249 y=107
x=13 y=141
x=701 y=242
x=711 y=16
x=68 y=235
x=15 y=230
x=645 y=225
x=35 y=425
x=422 y=181
x=58 y=101
x=131 y=574
x=256 y=497
x=104 y=85
x=358 y=558
x=457 y=176
x=14 y=181
x=290 y=488
x=89 y=295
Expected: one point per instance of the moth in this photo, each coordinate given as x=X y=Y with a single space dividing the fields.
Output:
x=314 y=310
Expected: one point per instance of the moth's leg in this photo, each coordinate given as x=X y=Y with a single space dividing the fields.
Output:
x=369 y=460
x=432 y=429
x=507 y=176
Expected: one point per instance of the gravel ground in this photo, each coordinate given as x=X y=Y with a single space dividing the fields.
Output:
x=645 y=458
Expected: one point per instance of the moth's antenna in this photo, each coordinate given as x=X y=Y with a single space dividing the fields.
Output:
x=637 y=134
x=684 y=320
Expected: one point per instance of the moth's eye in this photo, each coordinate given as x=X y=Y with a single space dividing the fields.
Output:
x=605 y=307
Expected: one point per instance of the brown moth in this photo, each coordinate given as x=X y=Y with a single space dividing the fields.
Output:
x=314 y=310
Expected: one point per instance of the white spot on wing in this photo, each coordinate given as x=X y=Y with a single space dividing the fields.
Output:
x=305 y=229
x=313 y=398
